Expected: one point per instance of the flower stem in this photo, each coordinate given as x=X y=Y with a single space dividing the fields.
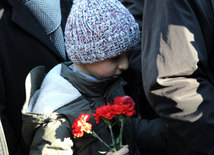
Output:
x=95 y=135
x=121 y=131
x=112 y=135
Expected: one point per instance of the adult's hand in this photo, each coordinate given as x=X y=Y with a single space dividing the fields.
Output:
x=123 y=151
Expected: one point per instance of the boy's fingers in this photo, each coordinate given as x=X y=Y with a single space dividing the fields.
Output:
x=122 y=151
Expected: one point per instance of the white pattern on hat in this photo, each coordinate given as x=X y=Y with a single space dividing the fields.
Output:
x=99 y=29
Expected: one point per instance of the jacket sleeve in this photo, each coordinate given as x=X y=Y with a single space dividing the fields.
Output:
x=52 y=138
x=178 y=71
x=150 y=133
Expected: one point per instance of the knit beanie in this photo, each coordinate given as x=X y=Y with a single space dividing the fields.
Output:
x=99 y=29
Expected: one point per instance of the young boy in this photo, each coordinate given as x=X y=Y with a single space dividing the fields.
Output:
x=98 y=34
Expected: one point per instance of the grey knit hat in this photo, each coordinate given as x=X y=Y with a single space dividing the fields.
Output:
x=99 y=29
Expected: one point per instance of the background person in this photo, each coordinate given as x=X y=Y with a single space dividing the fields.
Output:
x=178 y=71
x=24 y=44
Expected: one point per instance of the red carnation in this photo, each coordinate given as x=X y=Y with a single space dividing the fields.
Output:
x=80 y=125
x=103 y=112
x=123 y=100
x=123 y=105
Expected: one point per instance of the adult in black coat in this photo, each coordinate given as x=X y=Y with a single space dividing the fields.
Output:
x=178 y=71
x=23 y=46
x=134 y=78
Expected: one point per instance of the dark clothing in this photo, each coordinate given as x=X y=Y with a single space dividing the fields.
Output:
x=136 y=9
x=23 y=46
x=3 y=143
x=134 y=78
x=46 y=131
x=178 y=70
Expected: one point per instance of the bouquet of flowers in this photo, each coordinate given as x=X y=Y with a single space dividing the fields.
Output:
x=122 y=107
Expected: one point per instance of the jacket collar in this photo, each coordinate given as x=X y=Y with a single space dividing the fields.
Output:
x=88 y=87
x=23 y=18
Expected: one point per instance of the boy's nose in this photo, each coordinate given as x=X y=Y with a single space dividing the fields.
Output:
x=123 y=64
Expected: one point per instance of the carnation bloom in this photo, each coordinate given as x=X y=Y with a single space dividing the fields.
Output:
x=123 y=105
x=80 y=125
x=127 y=110
x=123 y=100
x=103 y=112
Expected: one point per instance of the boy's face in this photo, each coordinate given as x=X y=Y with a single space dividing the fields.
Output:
x=112 y=67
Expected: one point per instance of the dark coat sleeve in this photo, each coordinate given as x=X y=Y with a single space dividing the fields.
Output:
x=150 y=133
x=178 y=70
x=147 y=136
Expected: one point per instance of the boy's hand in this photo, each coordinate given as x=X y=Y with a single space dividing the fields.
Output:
x=123 y=151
